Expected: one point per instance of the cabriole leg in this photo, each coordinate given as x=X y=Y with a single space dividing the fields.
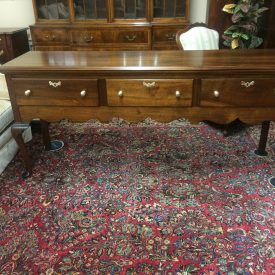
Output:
x=17 y=130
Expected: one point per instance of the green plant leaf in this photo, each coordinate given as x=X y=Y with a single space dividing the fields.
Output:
x=243 y=32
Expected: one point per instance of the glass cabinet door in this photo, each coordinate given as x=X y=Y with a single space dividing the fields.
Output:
x=52 y=9
x=169 y=8
x=90 y=9
x=129 y=9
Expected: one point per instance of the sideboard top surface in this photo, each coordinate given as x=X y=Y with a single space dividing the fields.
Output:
x=74 y=61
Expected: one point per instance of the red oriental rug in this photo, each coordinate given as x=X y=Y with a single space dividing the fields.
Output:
x=145 y=198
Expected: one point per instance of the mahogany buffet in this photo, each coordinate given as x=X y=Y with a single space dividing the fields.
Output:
x=219 y=86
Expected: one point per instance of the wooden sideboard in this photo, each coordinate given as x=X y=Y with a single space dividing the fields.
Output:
x=219 y=86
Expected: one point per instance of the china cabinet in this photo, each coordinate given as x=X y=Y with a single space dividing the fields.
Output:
x=108 y=24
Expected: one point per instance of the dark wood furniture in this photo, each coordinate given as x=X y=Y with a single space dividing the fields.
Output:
x=13 y=42
x=108 y=24
x=219 y=86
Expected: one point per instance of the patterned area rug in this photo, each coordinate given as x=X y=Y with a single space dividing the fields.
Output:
x=145 y=198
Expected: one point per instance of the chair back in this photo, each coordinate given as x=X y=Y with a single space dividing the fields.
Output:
x=198 y=37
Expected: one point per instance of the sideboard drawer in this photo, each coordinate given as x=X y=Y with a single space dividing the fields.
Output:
x=149 y=92
x=86 y=37
x=132 y=36
x=238 y=92
x=50 y=35
x=164 y=34
x=58 y=92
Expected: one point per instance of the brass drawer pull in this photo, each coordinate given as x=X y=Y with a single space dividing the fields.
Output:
x=131 y=38
x=55 y=84
x=120 y=93
x=83 y=93
x=247 y=84
x=170 y=36
x=149 y=85
x=88 y=38
x=216 y=93
x=178 y=94
x=1 y=52
x=27 y=92
x=50 y=37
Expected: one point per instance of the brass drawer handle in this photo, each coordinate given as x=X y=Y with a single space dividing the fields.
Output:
x=149 y=85
x=83 y=93
x=131 y=38
x=55 y=84
x=88 y=38
x=247 y=84
x=27 y=92
x=1 y=52
x=50 y=37
x=170 y=36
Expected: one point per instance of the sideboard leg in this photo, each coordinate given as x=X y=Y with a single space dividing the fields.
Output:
x=53 y=145
x=17 y=130
x=263 y=139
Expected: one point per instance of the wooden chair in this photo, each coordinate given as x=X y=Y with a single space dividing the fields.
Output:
x=198 y=37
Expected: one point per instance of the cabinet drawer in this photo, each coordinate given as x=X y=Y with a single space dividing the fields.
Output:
x=149 y=92
x=58 y=92
x=238 y=92
x=91 y=36
x=50 y=35
x=132 y=36
x=165 y=35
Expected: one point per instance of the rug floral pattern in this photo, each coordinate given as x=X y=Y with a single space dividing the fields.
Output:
x=144 y=198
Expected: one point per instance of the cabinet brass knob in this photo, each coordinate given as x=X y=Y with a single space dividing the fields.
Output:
x=83 y=93
x=1 y=52
x=178 y=94
x=216 y=93
x=27 y=92
x=120 y=93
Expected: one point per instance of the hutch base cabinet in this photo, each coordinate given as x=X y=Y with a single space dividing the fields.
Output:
x=108 y=25
x=13 y=42
x=219 y=86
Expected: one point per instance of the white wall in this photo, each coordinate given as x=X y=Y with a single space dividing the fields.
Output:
x=19 y=13
x=16 y=13
x=198 y=11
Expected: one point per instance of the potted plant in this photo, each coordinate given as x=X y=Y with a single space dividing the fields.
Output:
x=243 y=33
